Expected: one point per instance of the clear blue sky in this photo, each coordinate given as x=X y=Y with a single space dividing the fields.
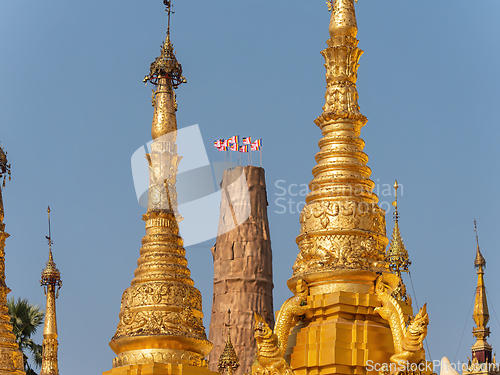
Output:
x=73 y=109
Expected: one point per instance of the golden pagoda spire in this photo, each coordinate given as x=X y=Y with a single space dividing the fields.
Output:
x=228 y=360
x=11 y=358
x=51 y=282
x=342 y=238
x=161 y=318
x=481 y=349
x=342 y=227
x=397 y=256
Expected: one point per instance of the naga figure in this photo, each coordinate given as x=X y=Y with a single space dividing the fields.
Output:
x=408 y=341
x=271 y=346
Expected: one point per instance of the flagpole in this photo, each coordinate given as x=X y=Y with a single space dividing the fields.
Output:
x=260 y=149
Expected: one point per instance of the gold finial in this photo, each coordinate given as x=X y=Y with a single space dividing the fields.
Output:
x=228 y=360
x=166 y=65
x=49 y=238
x=395 y=203
x=479 y=261
x=4 y=172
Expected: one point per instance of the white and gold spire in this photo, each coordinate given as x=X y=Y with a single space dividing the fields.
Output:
x=161 y=318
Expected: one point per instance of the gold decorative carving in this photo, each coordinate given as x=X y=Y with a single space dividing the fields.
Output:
x=183 y=322
x=333 y=252
x=271 y=346
x=49 y=357
x=408 y=341
x=138 y=357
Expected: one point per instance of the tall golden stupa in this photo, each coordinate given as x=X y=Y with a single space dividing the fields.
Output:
x=11 y=358
x=349 y=321
x=161 y=321
x=342 y=239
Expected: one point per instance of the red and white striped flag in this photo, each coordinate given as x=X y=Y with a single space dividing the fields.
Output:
x=234 y=139
x=256 y=145
x=247 y=140
x=244 y=148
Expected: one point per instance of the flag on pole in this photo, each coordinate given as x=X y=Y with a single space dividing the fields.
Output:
x=218 y=143
x=247 y=140
x=256 y=145
x=234 y=139
x=234 y=147
x=244 y=148
x=222 y=147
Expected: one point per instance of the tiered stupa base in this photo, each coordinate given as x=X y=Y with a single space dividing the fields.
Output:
x=344 y=335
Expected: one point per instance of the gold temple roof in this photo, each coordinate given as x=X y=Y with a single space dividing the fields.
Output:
x=228 y=358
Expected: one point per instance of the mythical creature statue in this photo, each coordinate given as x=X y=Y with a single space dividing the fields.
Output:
x=408 y=341
x=271 y=346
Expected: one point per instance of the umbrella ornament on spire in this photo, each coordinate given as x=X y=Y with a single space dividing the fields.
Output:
x=166 y=65
x=50 y=274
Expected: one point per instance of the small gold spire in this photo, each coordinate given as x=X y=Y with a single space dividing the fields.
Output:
x=51 y=282
x=481 y=314
x=397 y=256
x=228 y=360
x=481 y=350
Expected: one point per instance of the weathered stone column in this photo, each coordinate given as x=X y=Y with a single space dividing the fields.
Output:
x=243 y=272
